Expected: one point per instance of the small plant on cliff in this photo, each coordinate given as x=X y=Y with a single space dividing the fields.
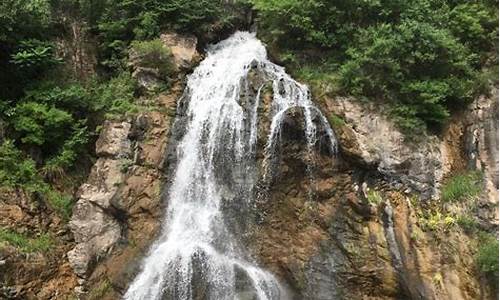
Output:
x=487 y=258
x=437 y=221
x=462 y=186
x=100 y=290
x=22 y=242
x=374 y=197
x=61 y=203
x=153 y=54
x=336 y=121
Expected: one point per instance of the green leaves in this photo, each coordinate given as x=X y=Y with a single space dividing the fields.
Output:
x=422 y=58
x=15 y=169
x=153 y=54
x=487 y=258
x=34 y=53
x=39 y=123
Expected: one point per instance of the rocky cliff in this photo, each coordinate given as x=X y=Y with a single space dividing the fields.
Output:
x=368 y=223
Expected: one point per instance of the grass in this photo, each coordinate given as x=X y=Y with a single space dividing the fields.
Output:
x=468 y=223
x=462 y=186
x=336 y=121
x=62 y=204
x=25 y=244
x=100 y=290
x=487 y=258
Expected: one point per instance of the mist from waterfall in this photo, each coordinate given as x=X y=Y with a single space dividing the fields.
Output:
x=197 y=254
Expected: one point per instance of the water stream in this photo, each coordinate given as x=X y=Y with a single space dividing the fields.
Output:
x=197 y=255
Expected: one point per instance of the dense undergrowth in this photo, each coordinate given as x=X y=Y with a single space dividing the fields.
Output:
x=420 y=59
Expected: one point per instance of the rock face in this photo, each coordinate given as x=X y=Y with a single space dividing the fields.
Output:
x=365 y=224
x=183 y=48
x=95 y=228
x=119 y=207
x=481 y=140
x=184 y=56
x=365 y=233
x=370 y=138
x=33 y=274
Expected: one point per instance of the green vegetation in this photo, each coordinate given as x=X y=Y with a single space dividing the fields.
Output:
x=41 y=243
x=487 y=258
x=436 y=221
x=468 y=223
x=50 y=114
x=153 y=54
x=420 y=58
x=374 y=197
x=100 y=290
x=462 y=186
x=336 y=121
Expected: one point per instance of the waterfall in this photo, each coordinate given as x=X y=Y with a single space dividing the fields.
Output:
x=197 y=255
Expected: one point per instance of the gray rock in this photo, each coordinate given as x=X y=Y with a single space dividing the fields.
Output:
x=93 y=225
x=113 y=140
x=183 y=48
x=374 y=140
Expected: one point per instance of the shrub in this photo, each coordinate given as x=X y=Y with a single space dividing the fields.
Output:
x=35 y=54
x=487 y=258
x=423 y=70
x=116 y=96
x=421 y=58
x=39 y=123
x=42 y=243
x=462 y=186
x=153 y=54
x=15 y=169
x=55 y=167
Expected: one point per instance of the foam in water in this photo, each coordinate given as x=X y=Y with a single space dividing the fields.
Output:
x=196 y=254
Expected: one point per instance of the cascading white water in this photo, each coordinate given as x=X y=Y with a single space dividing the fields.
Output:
x=196 y=255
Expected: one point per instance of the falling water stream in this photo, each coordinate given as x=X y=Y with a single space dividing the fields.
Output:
x=197 y=255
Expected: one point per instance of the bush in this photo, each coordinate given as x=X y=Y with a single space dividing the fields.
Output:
x=35 y=55
x=39 y=124
x=153 y=54
x=116 y=97
x=55 y=166
x=487 y=258
x=421 y=69
x=15 y=169
x=462 y=186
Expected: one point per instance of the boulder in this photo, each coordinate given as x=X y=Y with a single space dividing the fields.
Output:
x=183 y=48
